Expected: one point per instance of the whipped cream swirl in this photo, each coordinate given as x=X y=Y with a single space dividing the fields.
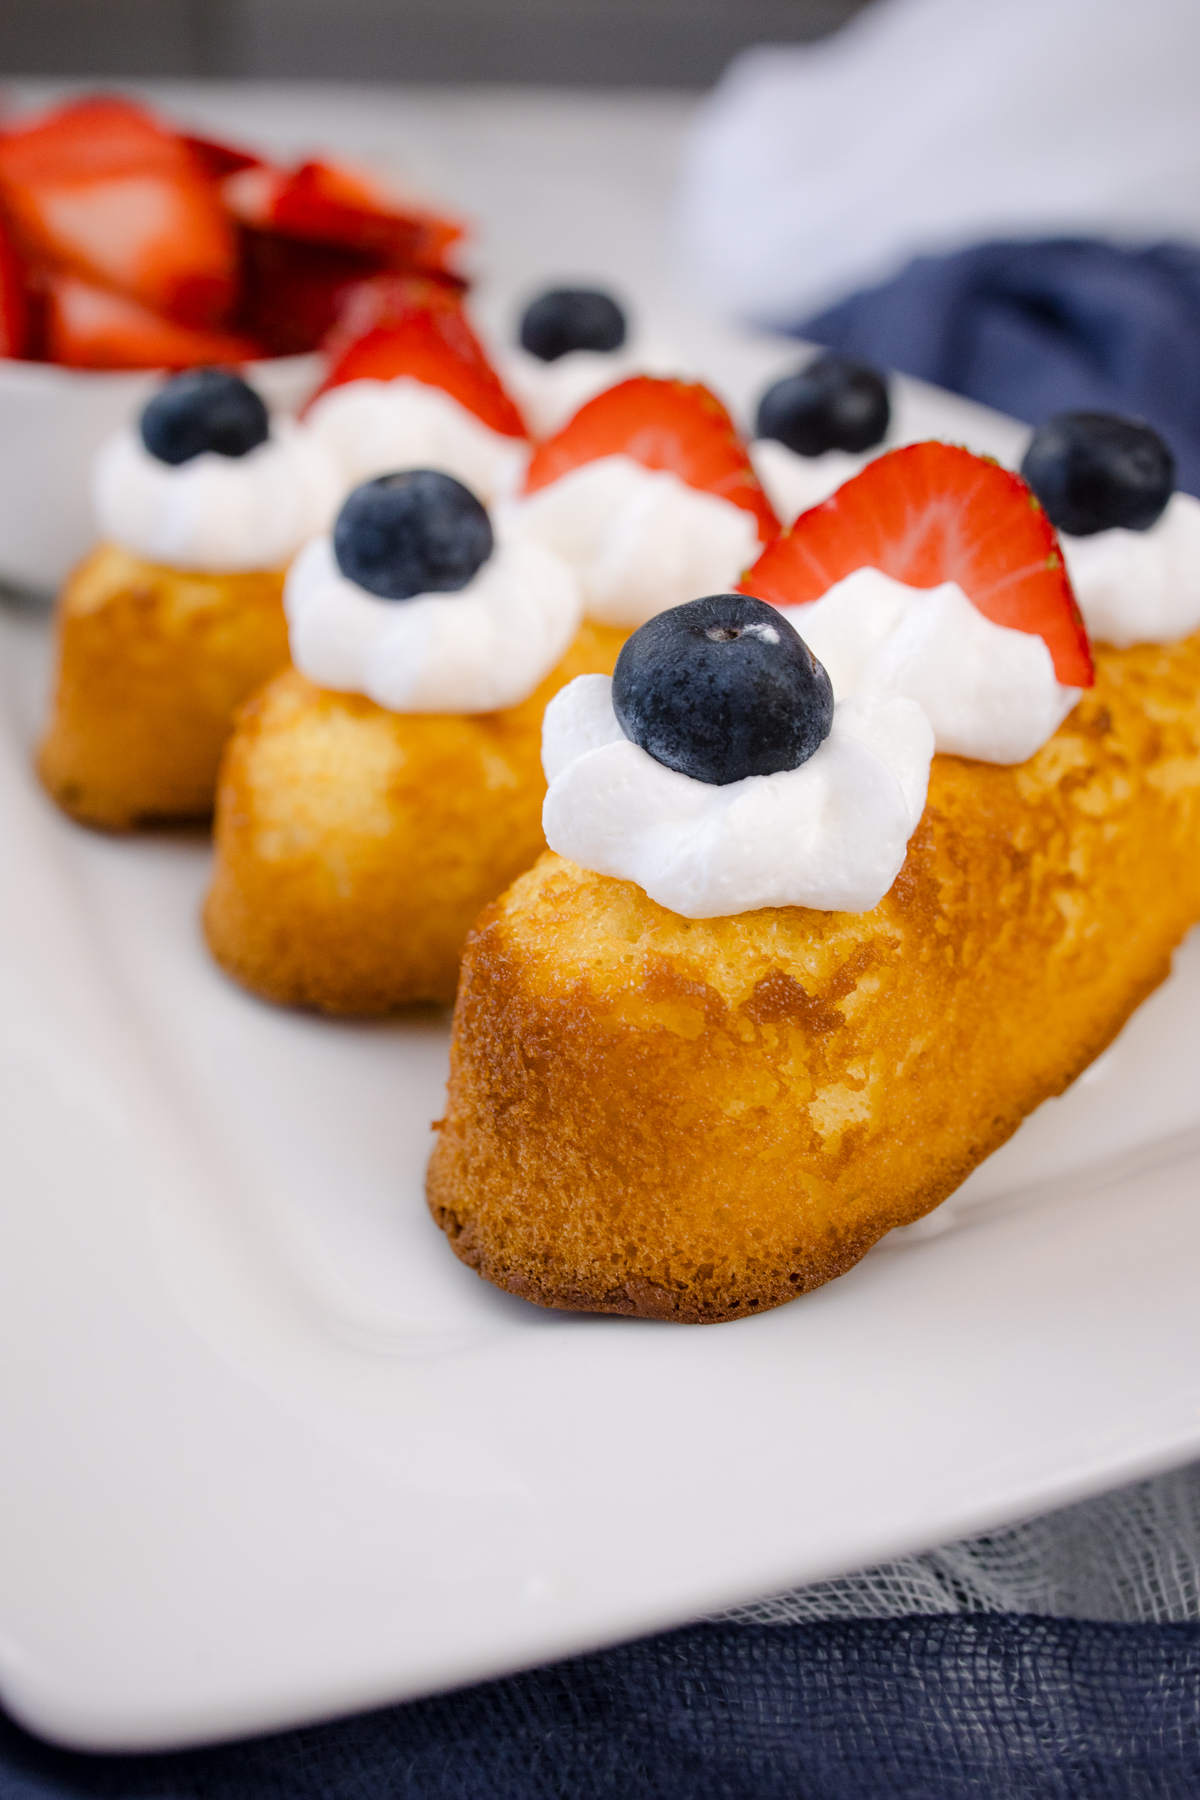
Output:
x=831 y=834
x=641 y=540
x=989 y=692
x=795 y=483
x=1140 y=587
x=484 y=648
x=550 y=393
x=216 y=514
x=374 y=427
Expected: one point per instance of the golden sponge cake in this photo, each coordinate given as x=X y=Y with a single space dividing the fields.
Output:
x=152 y=664
x=354 y=846
x=699 y=1119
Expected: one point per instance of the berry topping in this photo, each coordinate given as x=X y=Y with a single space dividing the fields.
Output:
x=396 y=325
x=564 y=319
x=204 y=409
x=722 y=688
x=418 y=532
x=92 y=328
x=931 y=513
x=330 y=203
x=832 y=404
x=100 y=190
x=663 y=424
x=1093 y=470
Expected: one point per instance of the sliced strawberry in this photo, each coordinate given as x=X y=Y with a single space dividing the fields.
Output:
x=326 y=203
x=397 y=325
x=291 y=292
x=674 y=425
x=91 y=328
x=14 y=300
x=99 y=189
x=216 y=160
x=930 y=513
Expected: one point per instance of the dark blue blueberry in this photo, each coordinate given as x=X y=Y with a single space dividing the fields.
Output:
x=722 y=688
x=832 y=404
x=203 y=409
x=571 y=319
x=1094 y=470
x=418 y=532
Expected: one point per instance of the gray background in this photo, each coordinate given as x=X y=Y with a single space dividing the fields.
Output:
x=673 y=43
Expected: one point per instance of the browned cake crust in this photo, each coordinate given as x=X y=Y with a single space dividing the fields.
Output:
x=152 y=663
x=699 y=1120
x=355 y=846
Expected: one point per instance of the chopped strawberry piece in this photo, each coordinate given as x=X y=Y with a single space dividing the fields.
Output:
x=15 y=324
x=216 y=160
x=99 y=189
x=91 y=328
x=292 y=292
x=324 y=203
x=665 y=424
x=396 y=325
x=930 y=513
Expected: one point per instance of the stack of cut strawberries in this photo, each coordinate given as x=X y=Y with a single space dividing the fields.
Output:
x=127 y=245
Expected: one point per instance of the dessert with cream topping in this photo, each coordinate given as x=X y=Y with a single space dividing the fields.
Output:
x=650 y=495
x=375 y=796
x=772 y=993
x=177 y=614
x=351 y=884
x=411 y=387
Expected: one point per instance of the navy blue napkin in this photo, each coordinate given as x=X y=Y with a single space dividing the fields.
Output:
x=1055 y=325
x=986 y=1707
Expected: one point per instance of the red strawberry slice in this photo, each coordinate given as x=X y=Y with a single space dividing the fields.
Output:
x=216 y=160
x=91 y=328
x=679 y=426
x=15 y=323
x=930 y=513
x=396 y=325
x=292 y=291
x=326 y=203
x=99 y=189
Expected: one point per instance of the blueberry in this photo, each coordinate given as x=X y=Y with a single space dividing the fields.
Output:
x=1094 y=470
x=203 y=409
x=565 y=319
x=831 y=404
x=418 y=532
x=722 y=688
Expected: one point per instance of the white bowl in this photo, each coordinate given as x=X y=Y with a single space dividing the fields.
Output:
x=52 y=421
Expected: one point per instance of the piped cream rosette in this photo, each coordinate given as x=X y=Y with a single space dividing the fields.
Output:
x=369 y=427
x=640 y=540
x=480 y=649
x=216 y=514
x=989 y=692
x=1140 y=587
x=830 y=834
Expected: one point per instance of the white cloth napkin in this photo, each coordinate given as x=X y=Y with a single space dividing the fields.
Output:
x=925 y=125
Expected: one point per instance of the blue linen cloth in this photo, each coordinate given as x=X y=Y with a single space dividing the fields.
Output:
x=983 y=1707
x=1041 y=327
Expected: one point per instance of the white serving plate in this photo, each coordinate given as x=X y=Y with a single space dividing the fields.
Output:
x=272 y=1453
x=269 y=1451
